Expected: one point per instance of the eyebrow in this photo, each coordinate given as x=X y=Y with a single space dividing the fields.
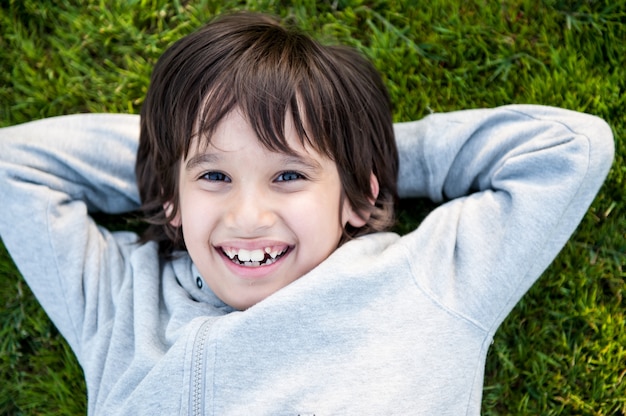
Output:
x=209 y=158
x=307 y=162
x=200 y=159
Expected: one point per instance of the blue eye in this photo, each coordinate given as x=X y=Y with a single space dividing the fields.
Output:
x=288 y=176
x=215 y=177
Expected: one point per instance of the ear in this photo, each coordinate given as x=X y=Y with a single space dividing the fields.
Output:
x=176 y=221
x=351 y=216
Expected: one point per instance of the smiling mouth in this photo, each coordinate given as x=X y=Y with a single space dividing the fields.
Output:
x=254 y=258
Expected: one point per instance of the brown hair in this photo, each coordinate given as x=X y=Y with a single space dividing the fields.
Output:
x=248 y=61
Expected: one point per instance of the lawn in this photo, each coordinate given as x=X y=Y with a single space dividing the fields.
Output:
x=563 y=349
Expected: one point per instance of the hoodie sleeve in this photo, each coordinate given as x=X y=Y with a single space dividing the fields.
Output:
x=514 y=183
x=53 y=174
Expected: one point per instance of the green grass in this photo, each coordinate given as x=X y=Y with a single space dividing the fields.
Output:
x=563 y=349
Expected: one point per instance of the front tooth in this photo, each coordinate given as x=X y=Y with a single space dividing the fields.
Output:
x=257 y=255
x=243 y=255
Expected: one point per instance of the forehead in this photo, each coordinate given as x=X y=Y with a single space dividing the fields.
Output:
x=234 y=133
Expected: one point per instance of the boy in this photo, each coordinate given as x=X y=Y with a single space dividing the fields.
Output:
x=266 y=284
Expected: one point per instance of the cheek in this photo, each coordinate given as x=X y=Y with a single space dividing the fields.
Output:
x=195 y=217
x=317 y=221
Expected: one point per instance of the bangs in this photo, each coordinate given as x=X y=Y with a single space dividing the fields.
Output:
x=278 y=73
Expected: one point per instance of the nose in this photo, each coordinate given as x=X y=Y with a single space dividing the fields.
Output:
x=250 y=211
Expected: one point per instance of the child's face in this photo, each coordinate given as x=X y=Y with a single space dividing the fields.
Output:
x=254 y=220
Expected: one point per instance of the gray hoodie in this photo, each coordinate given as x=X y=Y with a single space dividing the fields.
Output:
x=386 y=325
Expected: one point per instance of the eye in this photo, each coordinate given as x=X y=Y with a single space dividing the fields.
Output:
x=289 y=176
x=215 y=177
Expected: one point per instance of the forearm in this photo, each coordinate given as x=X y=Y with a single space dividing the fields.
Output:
x=52 y=172
x=450 y=155
x=88 y=157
